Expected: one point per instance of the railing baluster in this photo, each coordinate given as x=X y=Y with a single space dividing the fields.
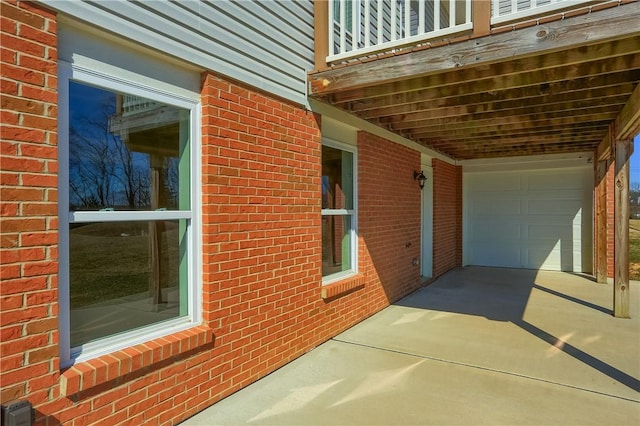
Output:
x=407 y=18
x=343 y=30
x=330 y=30
x=355 y=28
x=421 y=16
x=380 y=22
x=367 y=23
x=452 y=13
x=393 y=19
x=496 y=8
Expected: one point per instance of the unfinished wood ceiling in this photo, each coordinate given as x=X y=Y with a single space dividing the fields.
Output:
x=543 y=89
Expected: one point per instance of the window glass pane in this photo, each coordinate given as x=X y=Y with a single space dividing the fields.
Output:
x=125 y=275
x=337 y=178
x=126 y=152
x=336 y=244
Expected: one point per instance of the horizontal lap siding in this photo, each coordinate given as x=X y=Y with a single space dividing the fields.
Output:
x=268 y=45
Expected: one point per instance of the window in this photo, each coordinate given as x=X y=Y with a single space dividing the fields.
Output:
x=338 y=211
x=126 y=214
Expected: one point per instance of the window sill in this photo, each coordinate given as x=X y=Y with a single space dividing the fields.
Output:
x=342 y=287
x=135 y=359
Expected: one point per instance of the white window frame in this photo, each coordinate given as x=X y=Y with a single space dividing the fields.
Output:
x=353 y=213
x=66 y=73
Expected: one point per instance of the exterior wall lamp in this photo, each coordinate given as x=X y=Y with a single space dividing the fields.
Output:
x=420 y=177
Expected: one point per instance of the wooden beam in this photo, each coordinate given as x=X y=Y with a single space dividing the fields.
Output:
x=621 y=82
x=320 y=31
x=603 y=151
x=488 y=120
x=621 y=298
x=515 y=142
x=481 y=18
x=615 y=23
x=499 y=131
x=601 y=220
x=573 y=90
x=414 y=90
x=510 y=152
x=628 y=122
x=506 y=109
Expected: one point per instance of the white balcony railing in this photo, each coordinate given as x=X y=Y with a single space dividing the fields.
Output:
x=360 y=28
x=135 y=104
x=513 y=10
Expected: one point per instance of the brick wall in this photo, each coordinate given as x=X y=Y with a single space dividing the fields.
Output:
x=263 y=301
x=389 y=215
x=447 y=217
x=28 y=179
x=261 y=230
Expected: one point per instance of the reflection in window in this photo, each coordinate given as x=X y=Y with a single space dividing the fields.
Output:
x=126 y=154
x=337 y=211
x=124 y=275
x=124 y=151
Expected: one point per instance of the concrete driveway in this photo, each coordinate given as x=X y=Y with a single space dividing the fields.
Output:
x=478 y=346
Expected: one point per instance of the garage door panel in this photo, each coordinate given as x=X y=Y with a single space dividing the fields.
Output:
x=555 y=259
x=553 y=233
x=491 y=182
x=557 y=180
x=496 y=255
x=543 y=220
x=512 y=232
x=492 y=206
x=554 y=207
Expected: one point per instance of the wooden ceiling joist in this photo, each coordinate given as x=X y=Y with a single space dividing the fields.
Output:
x=575 y=97
x=587 y=30
x=551 y=88
x=410 y=102
x=512 y=109
x=495 y=83
x=628 y=122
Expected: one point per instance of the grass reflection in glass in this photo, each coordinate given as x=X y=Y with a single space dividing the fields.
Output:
x=113 y=286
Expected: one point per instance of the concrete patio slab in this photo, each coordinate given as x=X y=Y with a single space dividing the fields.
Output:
x=478 y=346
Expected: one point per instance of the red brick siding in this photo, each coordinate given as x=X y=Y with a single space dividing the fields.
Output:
x=262 y=287
x=447 y=217
x=388 y=215
x=28 y=204
x=261 y=230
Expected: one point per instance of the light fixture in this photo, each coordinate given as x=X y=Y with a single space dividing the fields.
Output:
x=420 y=177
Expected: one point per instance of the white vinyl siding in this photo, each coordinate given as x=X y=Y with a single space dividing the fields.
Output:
x=533 y=219
x=266 y=44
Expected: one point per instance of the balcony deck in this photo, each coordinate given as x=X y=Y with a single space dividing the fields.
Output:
x=545 y=80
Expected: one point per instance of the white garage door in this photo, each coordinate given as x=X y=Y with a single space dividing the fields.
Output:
x=534 y=219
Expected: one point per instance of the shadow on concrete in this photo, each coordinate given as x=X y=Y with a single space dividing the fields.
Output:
x=504 y=296
x=574 y=299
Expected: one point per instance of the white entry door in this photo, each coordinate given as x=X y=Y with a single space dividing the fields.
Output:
x=427 y=224
x=533 y=219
